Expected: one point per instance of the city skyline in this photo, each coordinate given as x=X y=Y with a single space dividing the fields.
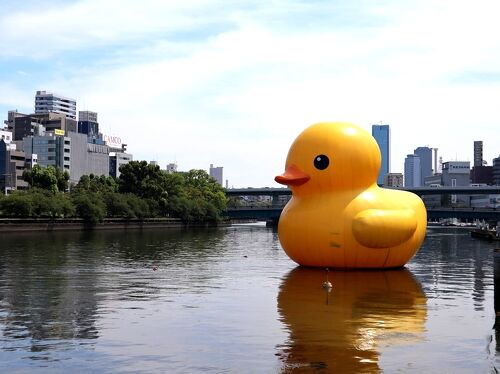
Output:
x=235 y=86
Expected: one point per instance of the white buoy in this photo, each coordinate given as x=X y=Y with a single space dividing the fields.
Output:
x=327 y=285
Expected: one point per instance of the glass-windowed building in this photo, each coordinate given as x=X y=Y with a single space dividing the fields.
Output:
x=412 y=171
x=51 y=149
x=425 y=154
x=381 y=133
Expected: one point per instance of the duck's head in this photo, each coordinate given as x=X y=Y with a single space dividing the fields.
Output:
x=331 y=156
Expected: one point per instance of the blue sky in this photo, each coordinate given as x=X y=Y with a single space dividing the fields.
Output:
x=233 y=83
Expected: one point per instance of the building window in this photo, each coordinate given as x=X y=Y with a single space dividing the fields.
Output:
x=453 y=182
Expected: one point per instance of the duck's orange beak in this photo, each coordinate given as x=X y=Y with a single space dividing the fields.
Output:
x=292 y=176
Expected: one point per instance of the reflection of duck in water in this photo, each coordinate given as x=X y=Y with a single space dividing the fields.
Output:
x=338 y=217
x=364 y=309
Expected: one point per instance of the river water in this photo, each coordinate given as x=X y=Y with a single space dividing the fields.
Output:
x=229 y=300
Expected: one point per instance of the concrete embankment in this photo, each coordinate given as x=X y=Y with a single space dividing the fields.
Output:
x=60 y=224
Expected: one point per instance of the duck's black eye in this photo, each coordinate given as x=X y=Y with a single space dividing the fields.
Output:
x=321 y=162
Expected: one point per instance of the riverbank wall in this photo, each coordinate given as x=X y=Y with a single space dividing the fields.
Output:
x=62 y=224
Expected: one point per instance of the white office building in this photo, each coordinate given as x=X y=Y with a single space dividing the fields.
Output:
x=48 y=102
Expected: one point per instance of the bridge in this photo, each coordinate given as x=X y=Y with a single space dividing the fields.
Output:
x=420 y=191
x=273 y=211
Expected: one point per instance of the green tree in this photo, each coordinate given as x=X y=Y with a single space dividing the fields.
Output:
x=49 y=178
x=62 y=179
x=17 y=204
x=117 y=206
x=48 y=204
x=92 y=183
x=89 y=206
x=204 y=198
x=148 y=182
x=139 y=207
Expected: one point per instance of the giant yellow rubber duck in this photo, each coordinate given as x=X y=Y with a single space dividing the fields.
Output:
x=338 y=217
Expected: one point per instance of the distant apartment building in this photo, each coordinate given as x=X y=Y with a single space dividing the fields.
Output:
x=216 y=172
x=52 y=149
x=87 y=158
x=425 y=155
x=381 y=133
x=480 y=173
x=117 y=159
x=412 y=172
x=393 y=180
x=49 y=102
x=23 y=125
x=456 y=173
x=6 y=136
x=53 y=136
x=171 y=168
x=12 y=163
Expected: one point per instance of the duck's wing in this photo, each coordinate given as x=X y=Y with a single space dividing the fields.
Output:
x=383 y=228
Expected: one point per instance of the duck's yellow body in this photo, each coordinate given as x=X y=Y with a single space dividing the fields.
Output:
x=338 y=217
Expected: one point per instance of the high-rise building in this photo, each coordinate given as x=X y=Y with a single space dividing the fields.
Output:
x=425 y=154
x=412 y=171
x=48 y=102
x=478 y=153
x=216 y=172
x=381 y=133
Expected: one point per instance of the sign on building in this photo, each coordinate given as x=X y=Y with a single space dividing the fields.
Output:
x=112 y=141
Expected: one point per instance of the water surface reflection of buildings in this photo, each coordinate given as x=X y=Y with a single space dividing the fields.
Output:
x=44 y=299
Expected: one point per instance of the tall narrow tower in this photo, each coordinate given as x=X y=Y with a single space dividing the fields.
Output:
x=478 y=153
x=381 y=133
x=435 y=160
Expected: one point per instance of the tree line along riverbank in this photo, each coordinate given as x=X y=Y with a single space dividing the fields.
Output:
x=142 y=192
